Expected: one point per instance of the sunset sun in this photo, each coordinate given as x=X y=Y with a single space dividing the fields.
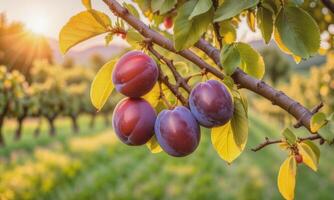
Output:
x=38 y=24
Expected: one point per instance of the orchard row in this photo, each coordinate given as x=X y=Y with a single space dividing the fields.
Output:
x=54 y=91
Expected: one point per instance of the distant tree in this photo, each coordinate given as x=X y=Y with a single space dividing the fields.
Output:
x=97 y=61
x=277 y=66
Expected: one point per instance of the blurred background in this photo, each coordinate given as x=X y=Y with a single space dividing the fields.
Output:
x=53 y=144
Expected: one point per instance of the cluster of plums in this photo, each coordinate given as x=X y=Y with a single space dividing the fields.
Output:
x=177 y=130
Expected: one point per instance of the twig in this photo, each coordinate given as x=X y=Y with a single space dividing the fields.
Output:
x=269 y=142
x=164 y=79
x=216 y=26
x=179 y=79
x=313 y=111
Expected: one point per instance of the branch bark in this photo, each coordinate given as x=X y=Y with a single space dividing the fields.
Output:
x=278 y=98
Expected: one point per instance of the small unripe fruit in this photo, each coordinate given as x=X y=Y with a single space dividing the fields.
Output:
x=168 y=22
x=299 y=158
x=133 y=121
x=177 y=131
x=135 y=74
x=211 y=103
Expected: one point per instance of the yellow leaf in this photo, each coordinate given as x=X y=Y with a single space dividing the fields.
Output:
x=87 y=4
x=287 y=178
x=153 y=145
x=153 y=96
x=230 y=140
x=81 y=27
x=309 y=157
x=251 y=21
x=283 y=48
x=102 y=85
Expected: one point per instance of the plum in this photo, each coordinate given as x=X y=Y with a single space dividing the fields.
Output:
x=177 y=131
x=168 y=22
x=135 y=74
x=211 y=104
x=133 y=121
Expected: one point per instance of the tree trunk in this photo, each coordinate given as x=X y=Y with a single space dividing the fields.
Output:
x=38 y=128
x=2 y=119
x=18 y=131
x=92 y=121
x=75 y=126
x=2 y=139
x=52 y=130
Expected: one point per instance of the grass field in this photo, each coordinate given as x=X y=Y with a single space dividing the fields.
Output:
x=95 y=165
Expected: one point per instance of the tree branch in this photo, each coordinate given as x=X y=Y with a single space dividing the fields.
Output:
x=178 y=78
x=328 y=4
x=270 y=142
x=301 y=113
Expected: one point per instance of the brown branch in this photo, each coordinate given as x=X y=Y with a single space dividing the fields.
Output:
x=270 y=142
x=240 y=78
x=216 y=26
x=313 y=111
x=328 y=4
x=178 y=78
x=164 y=79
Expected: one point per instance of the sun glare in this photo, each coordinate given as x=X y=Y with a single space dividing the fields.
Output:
x=38 y=24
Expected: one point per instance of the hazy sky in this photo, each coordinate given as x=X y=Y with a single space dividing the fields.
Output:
x=48 y=16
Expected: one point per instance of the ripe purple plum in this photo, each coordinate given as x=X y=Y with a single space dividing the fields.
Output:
x=211 y=104
x=177 y=131
x=135 y=74
x=133 y=121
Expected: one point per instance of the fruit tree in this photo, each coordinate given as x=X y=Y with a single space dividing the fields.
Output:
x=192 y=71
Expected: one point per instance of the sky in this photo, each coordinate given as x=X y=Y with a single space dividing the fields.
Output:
x=48 y=16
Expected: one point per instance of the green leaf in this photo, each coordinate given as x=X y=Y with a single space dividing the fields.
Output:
x=251 y=61
x=299 y=31
x=231 y=8
x=314 y=148
x=230 y=58
x=227 y=31
x=265 y=22
x=102 y=85
x=327 y=132
x=156 y=5
x=298 y=2
x=188 y=32
x=289 y=136
x=87 y=4
x=167 y=6
x=318 y=120
x=134 y=38
x=132 y=9
x=287 y=178
x=230 y=140
x=81 y=27
x=202 y=6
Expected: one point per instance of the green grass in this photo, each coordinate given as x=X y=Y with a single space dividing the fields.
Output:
x=118 y=171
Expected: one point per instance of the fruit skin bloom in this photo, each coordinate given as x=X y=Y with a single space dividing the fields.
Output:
x=177 y=131
x=133 y=121
x=135 y=74
x=211 y=103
